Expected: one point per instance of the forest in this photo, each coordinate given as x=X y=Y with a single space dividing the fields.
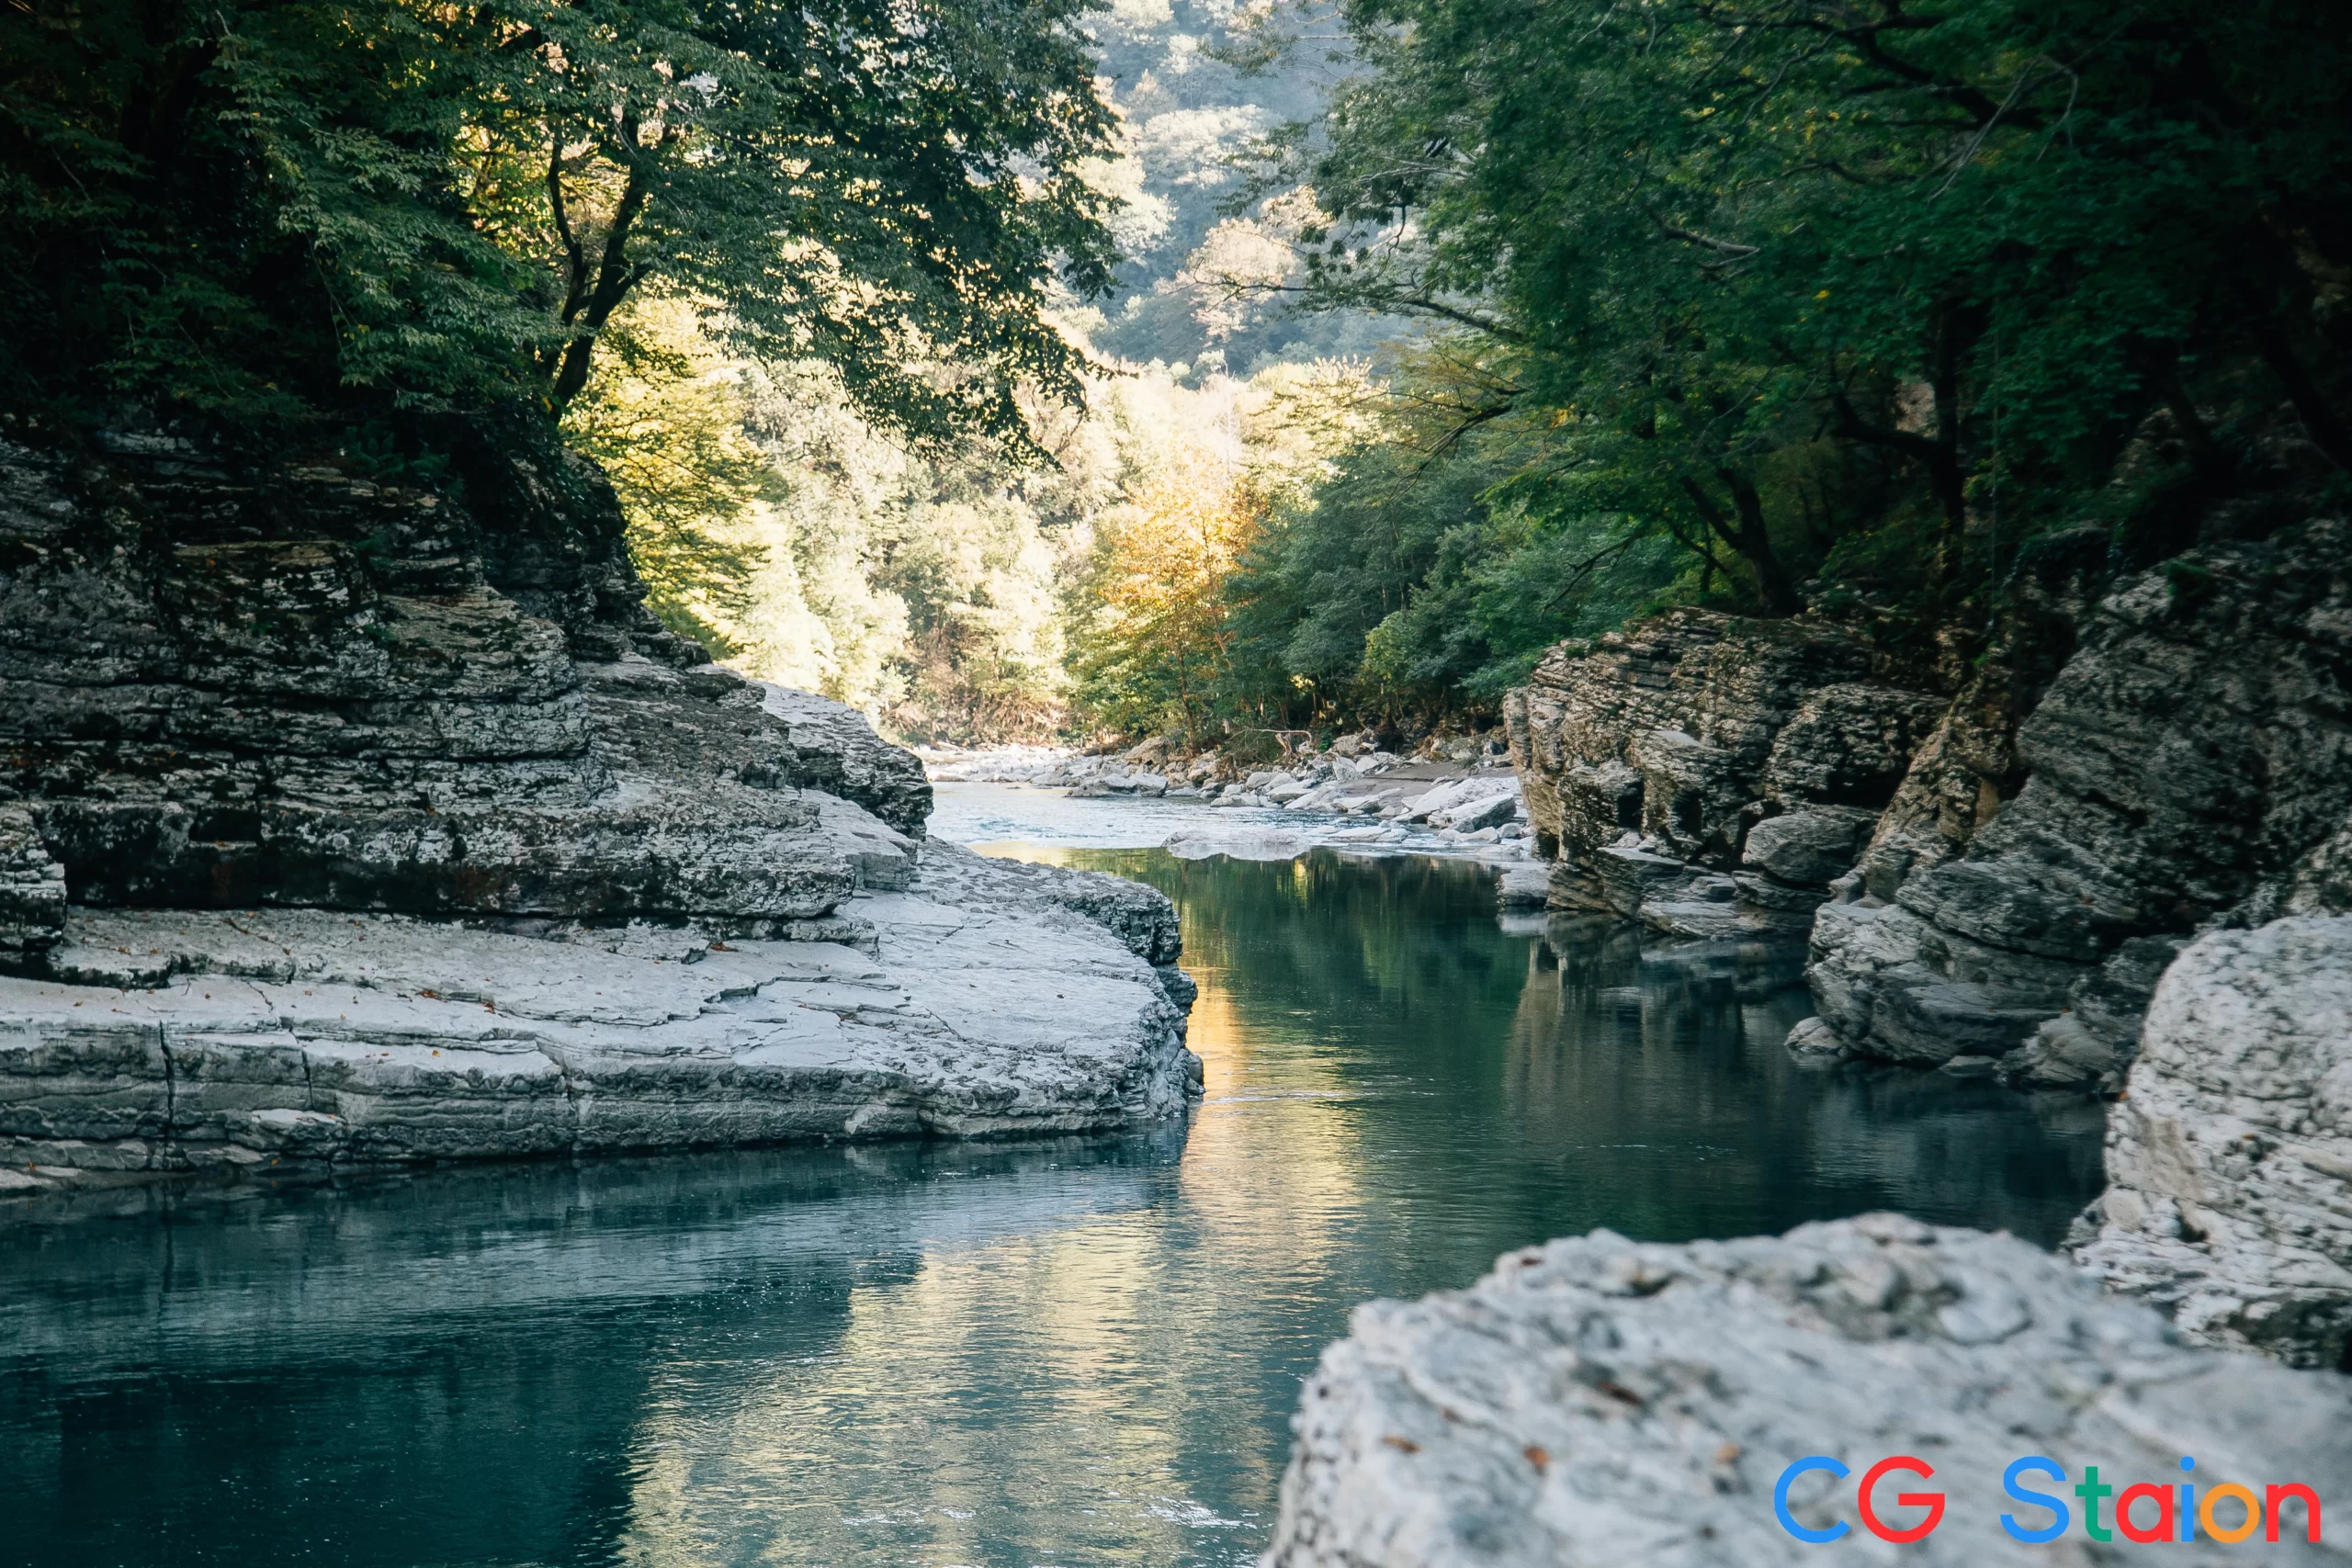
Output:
x=1022 y=369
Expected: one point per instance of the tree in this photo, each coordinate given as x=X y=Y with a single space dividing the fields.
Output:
x=667 y=422
x=1154 y=645
x=1813 y=276
x=300 y=213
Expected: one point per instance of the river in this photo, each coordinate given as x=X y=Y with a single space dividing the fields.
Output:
x=1070 y=1353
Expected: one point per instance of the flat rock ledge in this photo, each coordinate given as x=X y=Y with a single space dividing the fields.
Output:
x=1597 y=1402
x=981 y=999
x=2229 y=1157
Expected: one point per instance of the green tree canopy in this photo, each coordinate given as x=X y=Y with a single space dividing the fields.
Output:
x=277 y=211
x=1806 y=279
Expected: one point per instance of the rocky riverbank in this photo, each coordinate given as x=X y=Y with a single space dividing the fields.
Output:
x=1347 y=795
x=1993 y=863
x=2109 y=854
x=1997 y=867
x=342 y=820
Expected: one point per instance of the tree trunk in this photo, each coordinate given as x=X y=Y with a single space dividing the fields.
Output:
x=1746 y=535
x=1958 y=328
x=614 y=278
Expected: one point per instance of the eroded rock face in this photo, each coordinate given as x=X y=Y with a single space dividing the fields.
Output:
x=2191 y=762
x=337 y=823
x=223 y=689
x=2230 y=1158
x=1599 y=1402
x=1651 y=756
x=32 y=891
x=1969 y=766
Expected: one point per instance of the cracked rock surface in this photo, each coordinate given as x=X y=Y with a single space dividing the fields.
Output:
x=182 y=1039
x=2229 y=1159
x=2190 y=764
x=1599 y=1403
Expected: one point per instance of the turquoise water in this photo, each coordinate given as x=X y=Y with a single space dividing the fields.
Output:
x=1068 y=1353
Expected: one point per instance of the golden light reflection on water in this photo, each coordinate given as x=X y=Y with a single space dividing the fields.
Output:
x=1079 y=1361
x=1109 y=1388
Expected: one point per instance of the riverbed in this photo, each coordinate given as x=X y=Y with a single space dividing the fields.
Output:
x=1066 y=1353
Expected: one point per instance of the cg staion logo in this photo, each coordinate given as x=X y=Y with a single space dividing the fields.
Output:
x=2144 y=1513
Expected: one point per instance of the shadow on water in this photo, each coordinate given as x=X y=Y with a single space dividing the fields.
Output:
x=1058 y=1352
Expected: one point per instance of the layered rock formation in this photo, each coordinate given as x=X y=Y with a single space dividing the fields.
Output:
x=303 y=688
x=1599 y=1402
x=1709 y=775
x=2230 y=1157
x=1996 y=880
x=2191 y=762
x=270 y=693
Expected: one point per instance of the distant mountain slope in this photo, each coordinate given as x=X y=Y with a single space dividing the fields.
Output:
x=1188 y=113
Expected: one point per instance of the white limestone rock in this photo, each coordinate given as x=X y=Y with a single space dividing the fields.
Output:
x=1599 y=1403
x=970 y=1004
x=2230 y=1156
x=1524 y=887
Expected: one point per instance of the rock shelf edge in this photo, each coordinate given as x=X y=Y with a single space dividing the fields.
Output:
x=973 y=1004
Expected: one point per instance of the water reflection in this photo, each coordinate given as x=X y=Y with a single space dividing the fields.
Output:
x=1070 y=1352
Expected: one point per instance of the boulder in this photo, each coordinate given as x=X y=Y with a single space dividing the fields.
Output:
x=1322 y=796
x=1492 y=812
x=1466 y=804
x=1247 y=842
x=2229 y=1157
x=1524 y=887
x=1810 y=846
x=1601 y=1402
x=1816 y=1038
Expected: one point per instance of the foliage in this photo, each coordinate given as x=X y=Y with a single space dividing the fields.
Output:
x=780 y=529
x=1808 y=284
x=1155 y=642
x=1188 y=113
x=667 y=422
x=1196 y=475
x=280 y=211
